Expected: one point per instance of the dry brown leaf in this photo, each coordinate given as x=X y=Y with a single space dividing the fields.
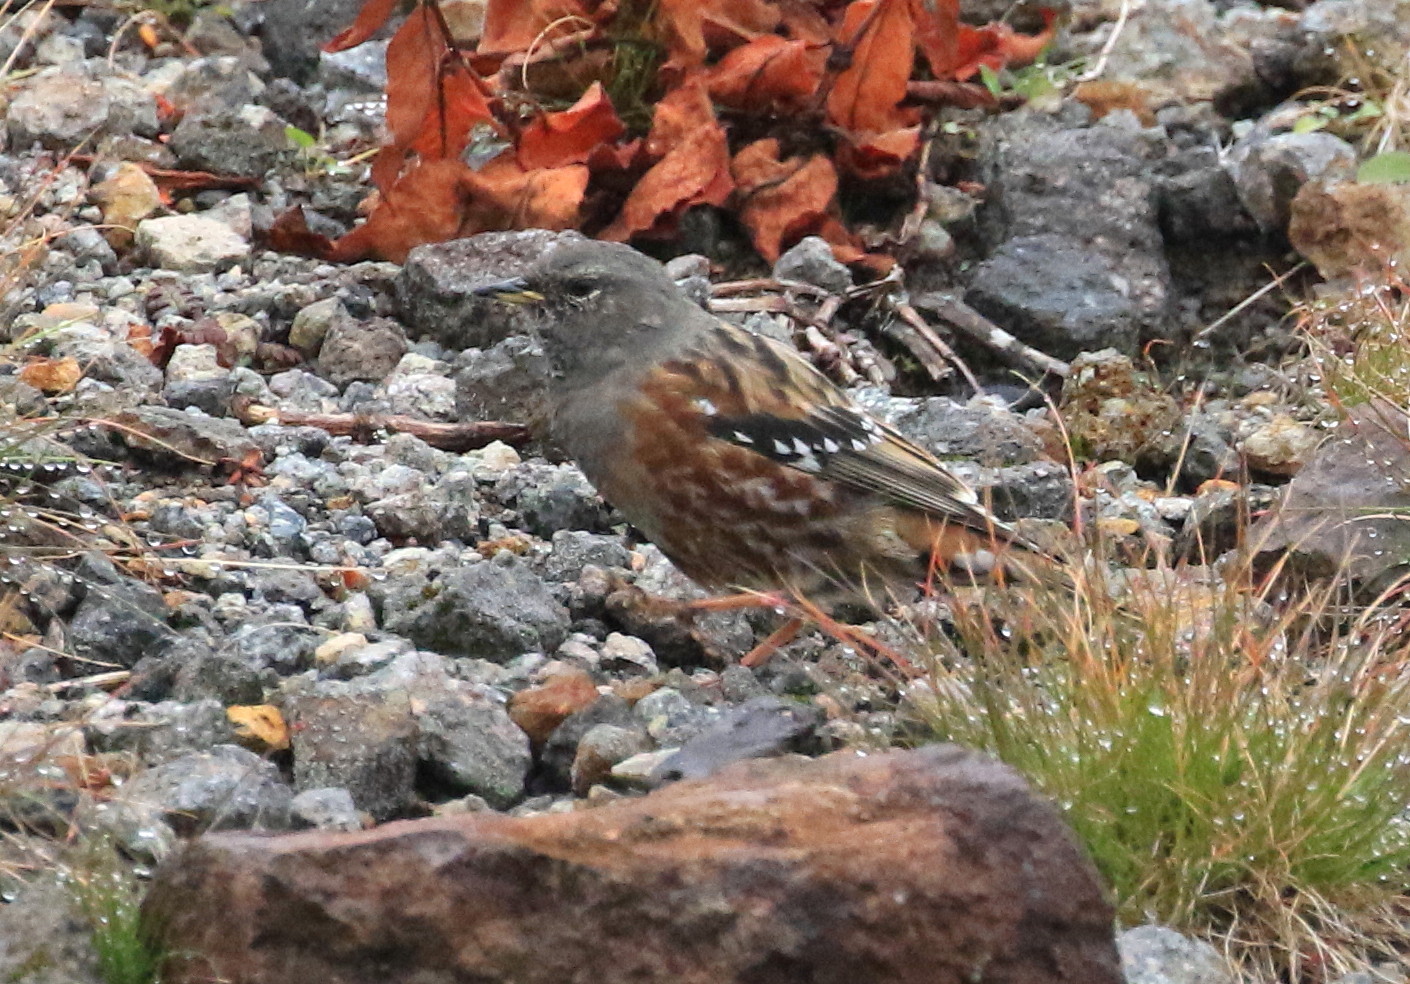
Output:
x=781 y=201
x=937 y=24
x=569 y=137
x=503 y=196
x=695 y=172
x=996 y=45
x=261 y=725
x=369 y=21
x=768 y=75
x=878 y=155
x=681 y=112
x=52 y=375
x=516 y=25
x=425 y=205
x=866 y=97
x=413 y=59
x=538 y=710
x=695 y=28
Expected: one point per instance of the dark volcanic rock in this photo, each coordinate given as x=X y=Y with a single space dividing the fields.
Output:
x=436 y=286
x=1343 y=513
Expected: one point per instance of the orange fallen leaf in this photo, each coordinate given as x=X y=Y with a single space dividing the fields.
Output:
x=681 y=112
x=539 y=710
x=769 y=74
x=937 y=24
x=781 y=201
x=1216 y=485
x=413 y=59
x=695 y=172
x=694 y=28
x=516 y=25
x=866 y=96
x=52 y=375
x=570 y=136
x=502 y=195
x=369 y=21
x=460 y=105
x=996 y=45
x=259 y=724
x=878 y=155
x=425 y=205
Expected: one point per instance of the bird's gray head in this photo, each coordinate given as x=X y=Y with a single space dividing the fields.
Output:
x=603 y=304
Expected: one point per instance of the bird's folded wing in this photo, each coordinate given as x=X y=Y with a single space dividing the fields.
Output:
x=766 y=398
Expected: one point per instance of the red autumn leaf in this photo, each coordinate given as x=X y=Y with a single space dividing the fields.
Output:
x=613 y=160
x=782 y=201
x=997 y=45
x=681 y=112
x=515 y=25
x=694 y=28
x=879 y=155
x=460 y=105
x=845 y=248
x=801 y=21
x=502 y=195
x=413 y=60
x=865 y=97
x=289 y=233
x=369 y=21
x=425 y=205
x=768 y=73
x=937 y=24
x=694 y=172
x=569 y=137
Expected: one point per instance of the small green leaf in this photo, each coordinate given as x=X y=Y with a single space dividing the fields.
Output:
x=1389 y=168
x=990 y=78
x=1366 y=111
x=1309 y=124
x=299 y=138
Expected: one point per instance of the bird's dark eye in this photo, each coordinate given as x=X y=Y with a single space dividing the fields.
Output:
x=580 y=287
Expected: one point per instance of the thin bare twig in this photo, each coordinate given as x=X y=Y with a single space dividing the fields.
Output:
x=930 y=359
x=103 y=681
x=1243 y=305
x=964 y=318
x=457 y=437
x=927 y=334
x=730 y=288
x=1099 y=66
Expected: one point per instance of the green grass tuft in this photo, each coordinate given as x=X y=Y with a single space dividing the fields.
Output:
x=1234 y=770
x=110 y=901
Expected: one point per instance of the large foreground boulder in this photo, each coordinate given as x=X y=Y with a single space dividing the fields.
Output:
x=932 y=865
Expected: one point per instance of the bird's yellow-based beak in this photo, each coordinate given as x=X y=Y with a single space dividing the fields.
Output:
x=513 y=291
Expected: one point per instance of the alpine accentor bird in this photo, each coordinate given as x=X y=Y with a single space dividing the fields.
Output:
x=747 y=467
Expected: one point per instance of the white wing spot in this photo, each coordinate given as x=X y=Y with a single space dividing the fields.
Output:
x=859 y=445
x=831 y=446
x=706 y=407
x=802 y=446
x=782 y=448
x=743 y=438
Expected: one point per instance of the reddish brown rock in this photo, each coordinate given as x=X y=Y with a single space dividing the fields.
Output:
x=932 y=865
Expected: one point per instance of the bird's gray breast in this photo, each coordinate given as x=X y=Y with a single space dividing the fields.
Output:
x=589 y=426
